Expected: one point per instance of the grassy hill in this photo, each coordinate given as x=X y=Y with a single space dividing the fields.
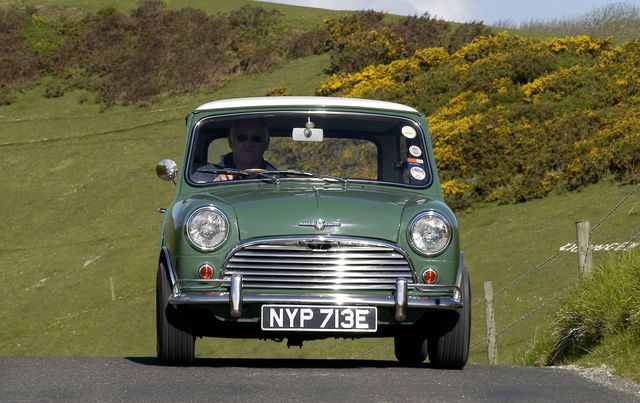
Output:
x=80 y=216
x=79 y=233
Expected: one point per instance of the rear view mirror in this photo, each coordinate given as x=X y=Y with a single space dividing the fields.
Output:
x=307 y=134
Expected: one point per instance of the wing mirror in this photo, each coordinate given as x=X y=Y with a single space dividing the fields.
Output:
x=167 y=170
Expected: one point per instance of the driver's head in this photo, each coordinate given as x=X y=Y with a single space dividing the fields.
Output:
x=248 y=139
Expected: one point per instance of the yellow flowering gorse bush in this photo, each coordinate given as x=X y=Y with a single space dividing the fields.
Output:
x=512 y=118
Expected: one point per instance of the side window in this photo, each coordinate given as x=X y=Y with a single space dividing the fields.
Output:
x=217 y=148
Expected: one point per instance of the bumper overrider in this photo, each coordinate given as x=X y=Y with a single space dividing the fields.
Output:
x=406 y=294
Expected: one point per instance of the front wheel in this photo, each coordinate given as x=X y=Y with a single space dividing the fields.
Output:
x=448 y=344
x=175 y=342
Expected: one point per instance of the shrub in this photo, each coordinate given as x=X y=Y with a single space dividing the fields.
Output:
x=421 y=32
x=364 y=39
x=604 y=304
x=7 y=95
x=140 y=56
x=137 y=57
x=516 y=118
x=17 y=63
x=305 y=43
x=278 y=91
x=466 y=33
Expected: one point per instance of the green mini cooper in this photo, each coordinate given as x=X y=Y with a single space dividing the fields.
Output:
x=304 y=218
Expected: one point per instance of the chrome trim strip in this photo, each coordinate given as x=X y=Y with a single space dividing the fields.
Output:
x=445 y=303
x=235 y=296
x=321 y=258
x=457 y=294
x=173 y=278
x=401 y=299
x=211 y=285
x=342 y=268
x=344 y=280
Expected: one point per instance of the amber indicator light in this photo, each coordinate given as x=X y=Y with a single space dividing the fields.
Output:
x=205 y=272
x=430 y=276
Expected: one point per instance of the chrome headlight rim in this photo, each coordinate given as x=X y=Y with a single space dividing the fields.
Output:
x=429 y=213
x=192 y=242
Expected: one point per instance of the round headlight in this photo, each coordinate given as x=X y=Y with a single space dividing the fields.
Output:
x=207 y=228
x=430 y=233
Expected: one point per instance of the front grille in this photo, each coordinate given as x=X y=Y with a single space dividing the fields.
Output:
x=315 y=264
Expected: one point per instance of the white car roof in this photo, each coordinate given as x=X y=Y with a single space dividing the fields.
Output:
x=305 y=101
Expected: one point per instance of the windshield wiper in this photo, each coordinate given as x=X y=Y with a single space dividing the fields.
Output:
x=293 y=172
x=272 y=175
x=329 y=178
x=226 y=171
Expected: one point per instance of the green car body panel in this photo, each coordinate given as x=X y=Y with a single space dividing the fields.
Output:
x=273 y=214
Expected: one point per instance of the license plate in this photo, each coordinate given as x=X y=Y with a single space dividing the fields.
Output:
x=319 y=318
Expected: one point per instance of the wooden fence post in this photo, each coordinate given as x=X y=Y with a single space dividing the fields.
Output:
x=583 y=234
x=492 y=352
x=113 y=290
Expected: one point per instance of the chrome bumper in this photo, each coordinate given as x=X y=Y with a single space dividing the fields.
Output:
x=236 y=296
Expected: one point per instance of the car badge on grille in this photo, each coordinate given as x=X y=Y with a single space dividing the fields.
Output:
x=319 y=224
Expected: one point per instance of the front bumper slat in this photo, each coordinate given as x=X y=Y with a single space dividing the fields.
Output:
x=252 y=298
x=346 y=278
x=447 y=303
x=237 y=296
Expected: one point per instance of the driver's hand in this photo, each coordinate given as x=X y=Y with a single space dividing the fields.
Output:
x=223 y=177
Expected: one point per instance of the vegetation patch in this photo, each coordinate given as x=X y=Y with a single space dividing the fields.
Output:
x=598 y=321
x=512 y=118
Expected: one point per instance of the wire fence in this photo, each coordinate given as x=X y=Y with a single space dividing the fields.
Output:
x=559 y=252
x=548 y=260
x=520 y=319
x=623 y=201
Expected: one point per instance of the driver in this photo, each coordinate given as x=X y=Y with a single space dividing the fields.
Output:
x=248 y=140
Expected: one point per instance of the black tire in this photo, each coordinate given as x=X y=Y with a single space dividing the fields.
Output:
x=175 y=342
x=448 y=345
x=410 y=350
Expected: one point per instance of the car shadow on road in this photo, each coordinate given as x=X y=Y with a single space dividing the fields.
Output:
x=282 y=363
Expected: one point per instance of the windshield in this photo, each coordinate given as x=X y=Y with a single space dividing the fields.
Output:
x=306 y=145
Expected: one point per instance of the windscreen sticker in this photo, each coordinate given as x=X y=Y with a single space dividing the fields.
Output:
x=415 y=161
x=418 y=173
x=415 y=151
x=409 y=132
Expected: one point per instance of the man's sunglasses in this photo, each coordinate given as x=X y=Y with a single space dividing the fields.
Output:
x=241 y=138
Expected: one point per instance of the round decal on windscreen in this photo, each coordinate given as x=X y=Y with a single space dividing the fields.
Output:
x=409 y=132
x=415 y=151
x=418 y=173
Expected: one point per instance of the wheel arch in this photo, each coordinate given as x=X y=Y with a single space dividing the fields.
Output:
x=166 y=259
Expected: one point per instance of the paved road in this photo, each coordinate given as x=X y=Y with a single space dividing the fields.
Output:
x=140 y=379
